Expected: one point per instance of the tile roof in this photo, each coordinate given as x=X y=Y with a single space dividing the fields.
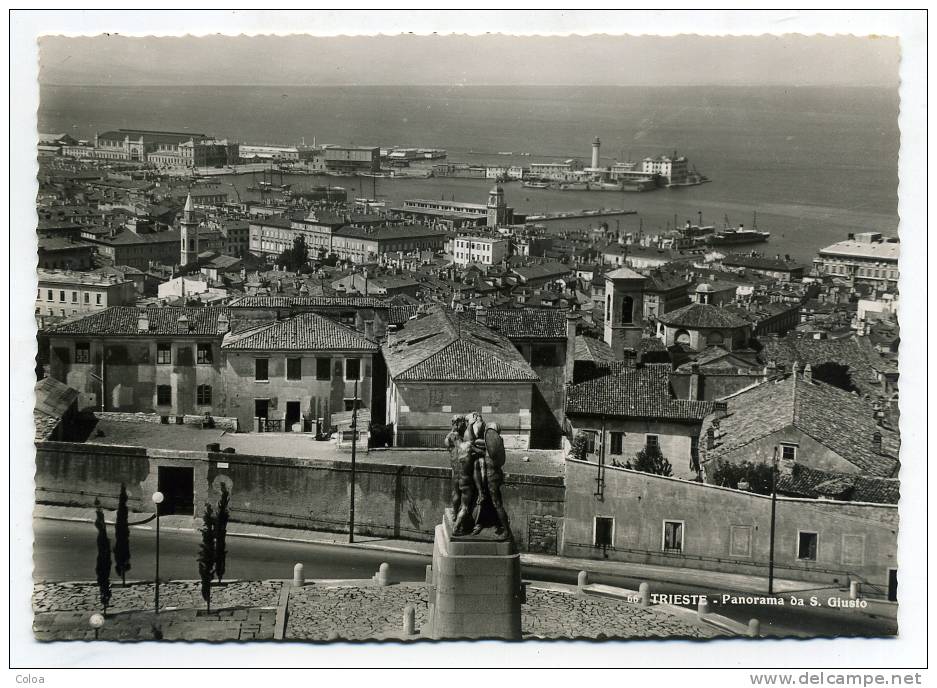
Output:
x=760 y=263
x=840 y=421
x=123 y=321
x=592 y=349
x=303 y=332
x=442 y=346
x=543 y=270
x=528 y=323
x=53 y=398
x=307 y=301
x=127 y=238
x=863 y=362
x=398 y=315
x=804 y=481
x=624 y=273
x=879 y=250
x=640 y=392
x=697 y=315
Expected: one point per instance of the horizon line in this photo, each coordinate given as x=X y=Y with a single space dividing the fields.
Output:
x=482 y=85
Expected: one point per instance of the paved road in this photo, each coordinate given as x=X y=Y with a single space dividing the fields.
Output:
x=67 y=551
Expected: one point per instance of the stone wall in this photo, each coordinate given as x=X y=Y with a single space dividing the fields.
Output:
x=221 y=422
x=390 y=500
x=727 y=530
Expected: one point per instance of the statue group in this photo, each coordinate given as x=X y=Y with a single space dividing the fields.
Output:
x=477 y=457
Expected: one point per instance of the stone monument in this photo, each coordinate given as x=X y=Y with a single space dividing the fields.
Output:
x=476 y=589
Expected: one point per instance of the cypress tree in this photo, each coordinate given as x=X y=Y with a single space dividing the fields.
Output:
x=221 y=531
x=103 y=565
x=122 y=538
x=206 y=554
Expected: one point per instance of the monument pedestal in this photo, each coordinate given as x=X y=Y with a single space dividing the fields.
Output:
x=476 y=590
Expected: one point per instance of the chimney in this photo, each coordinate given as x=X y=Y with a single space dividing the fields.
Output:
x=223 y=323
x=143 y=321
x=182 y=323
x=710 y=438
x=572 y=319
x=694 y=387
x=877 y=442
x=721 y=408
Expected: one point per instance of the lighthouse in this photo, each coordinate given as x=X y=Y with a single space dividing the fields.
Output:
x=189 y=232
x=595 y=152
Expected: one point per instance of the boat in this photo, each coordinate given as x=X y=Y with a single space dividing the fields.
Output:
x=737 y=235
x=536 y=185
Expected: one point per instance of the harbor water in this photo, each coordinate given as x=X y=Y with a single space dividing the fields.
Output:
x=813 y=163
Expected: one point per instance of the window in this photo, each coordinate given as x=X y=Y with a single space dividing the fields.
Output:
x=87 y=298
x=203 y=352
x=603 y=531
x=82 y=352
x=615 y=443
x=740 y=541
x=544 y=355
x=97 y=299
x=260 y=369
x=49 y=295
x=806 y=546
x=789 y=452
x=74 y=297
x=627 y=310
x=163 y=395
x=203 y=395
x=352 y=368
x=673 y=536
x=590 y=440
x=652 y=441
x=62 y=296
x=163 y=354
x=294 y=369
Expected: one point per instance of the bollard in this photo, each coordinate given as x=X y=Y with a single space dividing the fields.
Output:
x=645 y=591
x=754 y=628
x=429 y=574
x=333 y=636
x=854 y=590
x=383 y=574
x=582 y=580
x=703 y=608
x=409 y=620
x=298 y=579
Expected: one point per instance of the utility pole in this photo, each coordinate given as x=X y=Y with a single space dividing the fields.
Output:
x=774 y=501
x=354 y=442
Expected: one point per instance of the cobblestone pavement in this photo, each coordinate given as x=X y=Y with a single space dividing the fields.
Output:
x=318 y=611
x=554 y=614
x=240 y=611
x=55 y=597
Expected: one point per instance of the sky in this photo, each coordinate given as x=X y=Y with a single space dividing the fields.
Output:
x=791 y=60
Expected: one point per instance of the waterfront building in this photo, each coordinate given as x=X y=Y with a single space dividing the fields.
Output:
x=486 y=250
x=568 y=170
x=672 y=170
x=777 y=268
x=253 y=151
x=352 y=159
x=864 y=257
x=457 y=214
x=64 y=293
x=163 y=148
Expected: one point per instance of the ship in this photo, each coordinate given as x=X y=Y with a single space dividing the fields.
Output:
x=536 y=185
x=737 y=235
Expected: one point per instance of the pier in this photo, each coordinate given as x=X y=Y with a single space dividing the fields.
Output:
x=588 y=212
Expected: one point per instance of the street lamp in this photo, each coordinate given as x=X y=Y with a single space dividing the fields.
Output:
x=157 y=500
x=96 y=622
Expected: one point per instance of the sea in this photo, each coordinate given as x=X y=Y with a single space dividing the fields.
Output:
x=809 y=165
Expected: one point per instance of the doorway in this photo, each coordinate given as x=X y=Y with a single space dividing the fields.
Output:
x=176 y=484
x=892 y=585
x=261 y=407
x=292 y=415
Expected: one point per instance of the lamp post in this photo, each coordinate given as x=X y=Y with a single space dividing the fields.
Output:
x=774 y=502
x=157 y=500
x=96 y=622
x=354 y=441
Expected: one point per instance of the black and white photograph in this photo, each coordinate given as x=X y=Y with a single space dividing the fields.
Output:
x=406 y=339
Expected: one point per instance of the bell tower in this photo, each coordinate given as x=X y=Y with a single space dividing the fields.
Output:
x=497 y=210
x=189 y=232
x=624 y=310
